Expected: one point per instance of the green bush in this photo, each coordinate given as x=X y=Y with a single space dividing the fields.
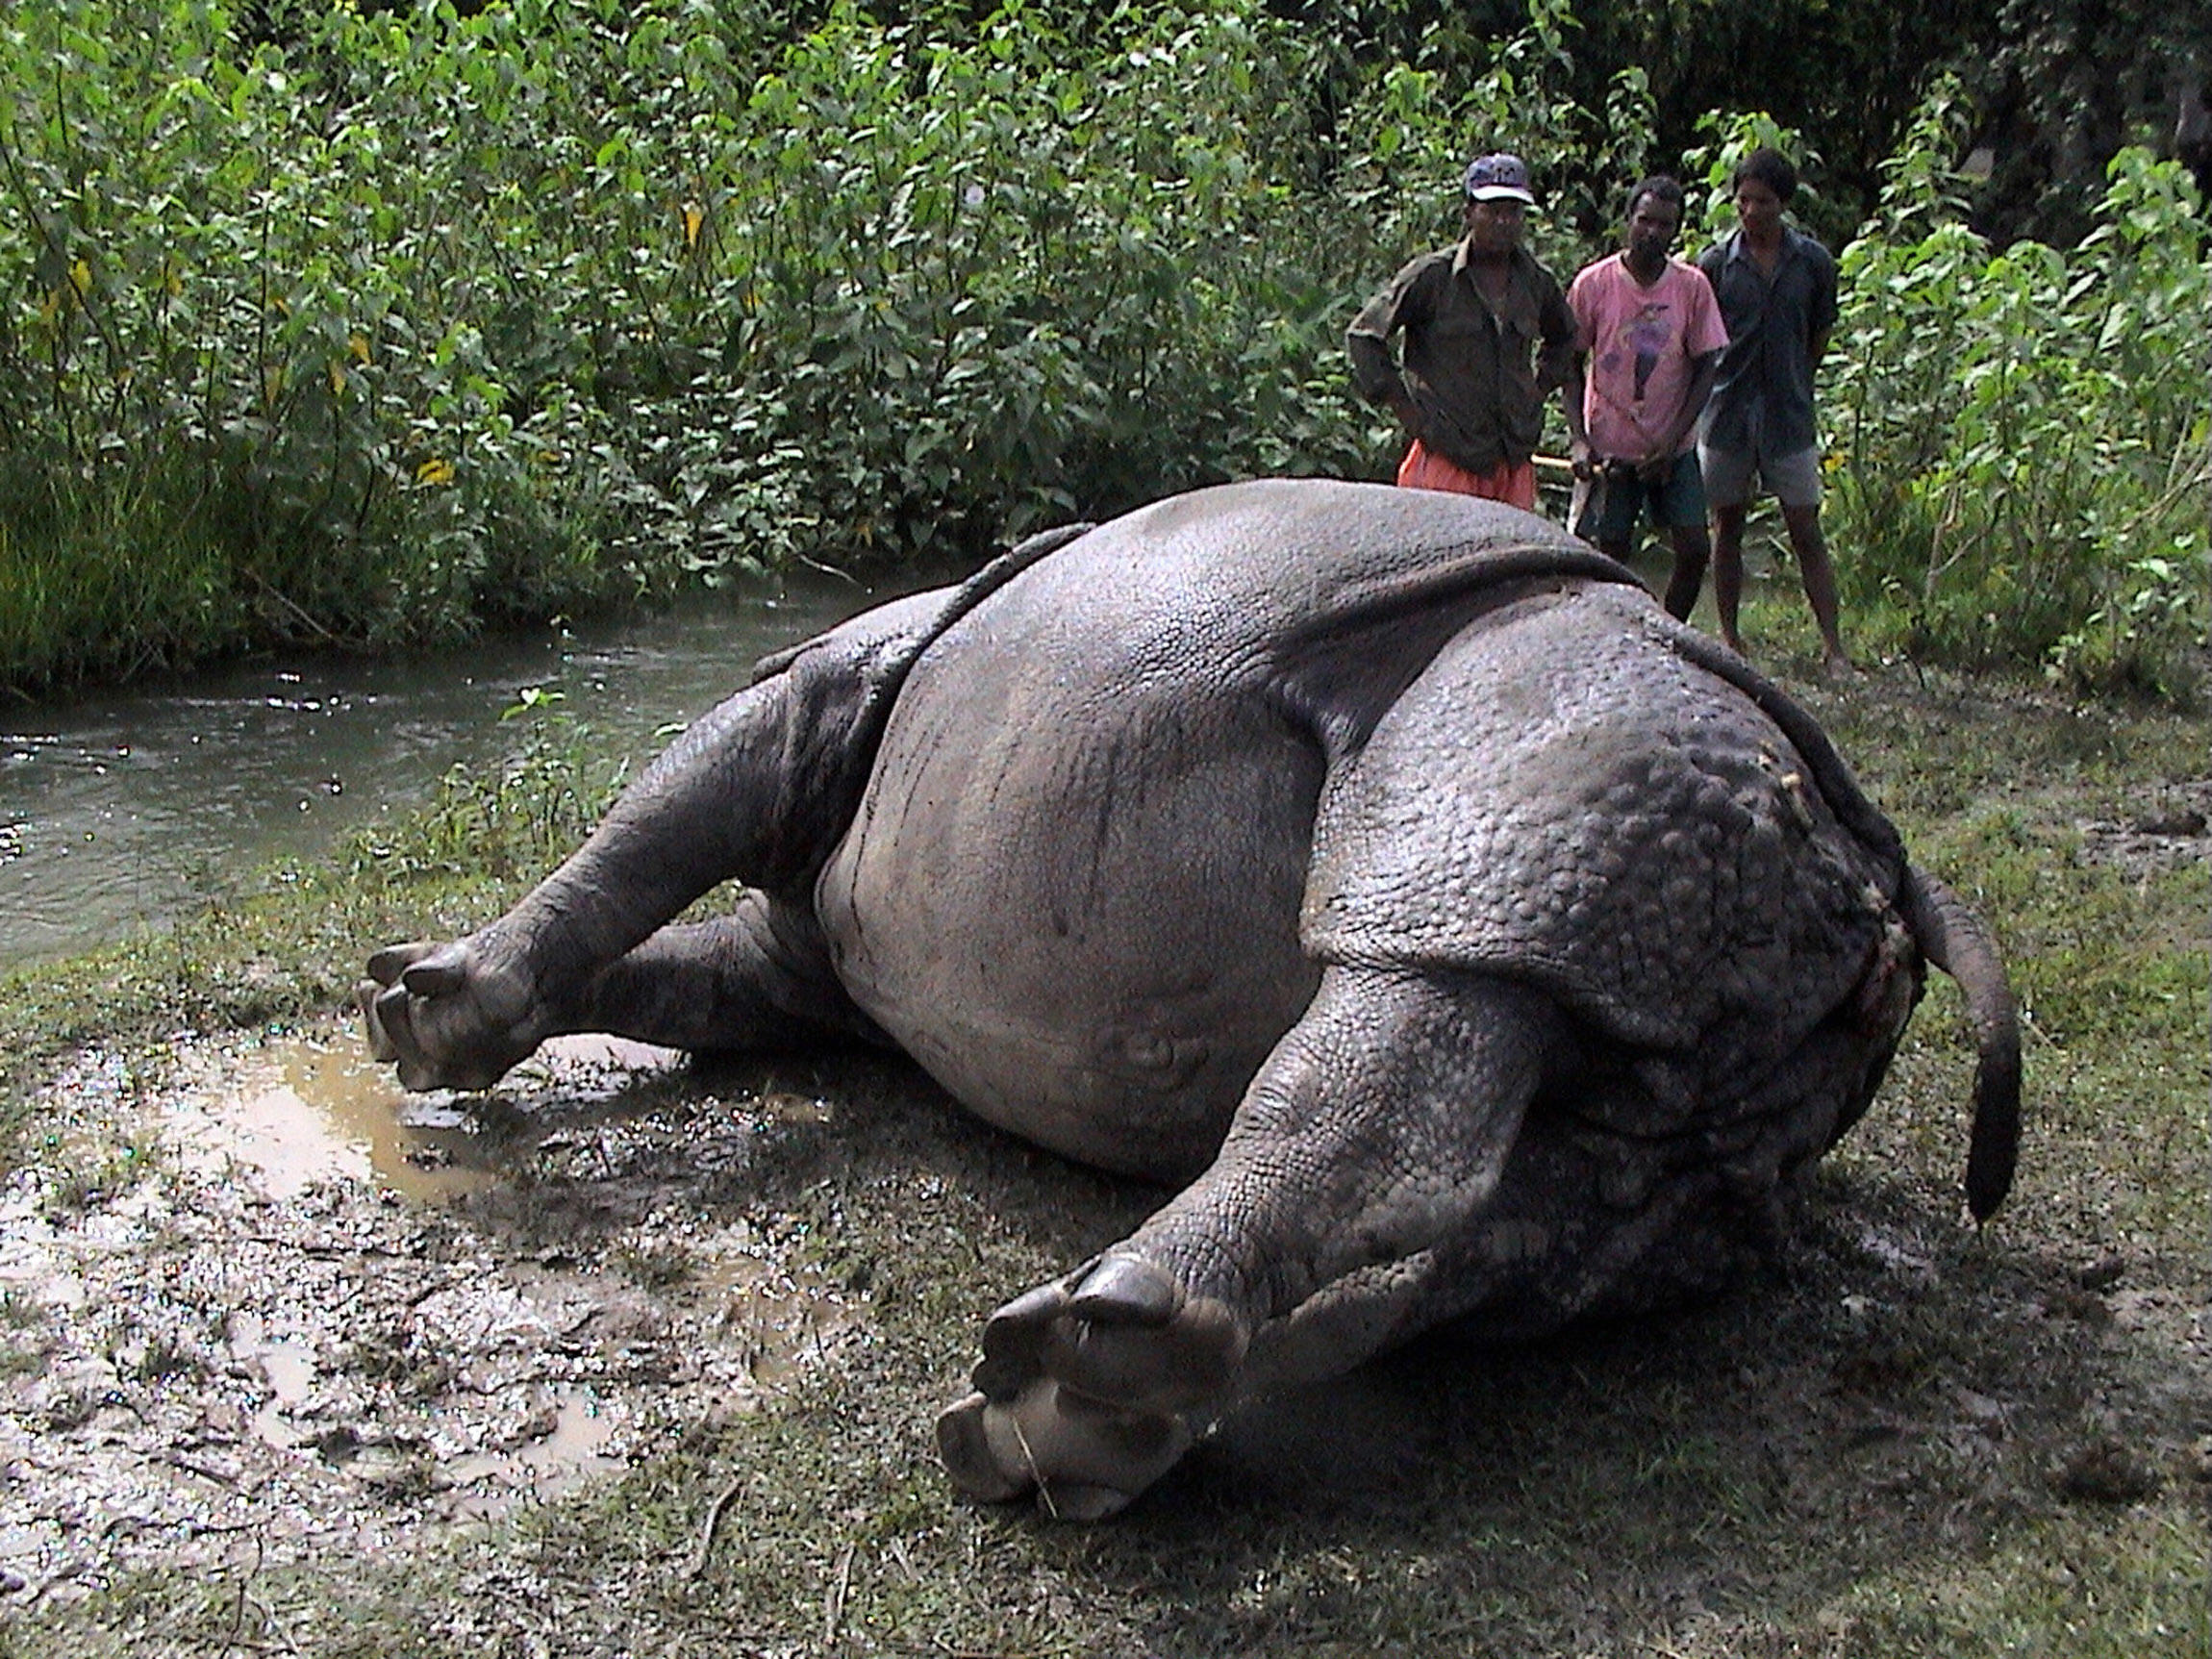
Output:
x=423 y=322
x=416 y=322
x=380 y=329
x=248 y=377
x=2020 y=438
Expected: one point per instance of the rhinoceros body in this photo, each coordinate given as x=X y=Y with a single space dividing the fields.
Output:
x=1461 y=936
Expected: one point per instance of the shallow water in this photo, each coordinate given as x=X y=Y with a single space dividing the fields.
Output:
x=306 y=1110
x=123 y=810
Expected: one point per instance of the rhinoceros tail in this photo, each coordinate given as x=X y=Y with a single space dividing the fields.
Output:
x=1953 y=938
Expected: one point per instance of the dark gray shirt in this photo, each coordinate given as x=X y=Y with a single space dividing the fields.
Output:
x=1763 y=395
x=1477 y=373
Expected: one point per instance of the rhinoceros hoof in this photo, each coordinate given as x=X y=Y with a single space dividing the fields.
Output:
x=442 y=1020
x=1087 y=1388
x=1085 y=1460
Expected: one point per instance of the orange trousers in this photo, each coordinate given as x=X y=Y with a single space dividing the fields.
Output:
x=1423 y=470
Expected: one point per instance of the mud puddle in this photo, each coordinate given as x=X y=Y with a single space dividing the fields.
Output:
x=311 y=1108
x=267 y=1301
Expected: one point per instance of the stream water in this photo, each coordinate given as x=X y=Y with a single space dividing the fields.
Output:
x=122 y=810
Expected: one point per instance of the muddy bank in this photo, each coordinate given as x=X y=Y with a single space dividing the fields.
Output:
x=270 y=1301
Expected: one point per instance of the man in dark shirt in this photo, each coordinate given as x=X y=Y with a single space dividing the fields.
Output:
x=1487 y=338
x=1777 y=293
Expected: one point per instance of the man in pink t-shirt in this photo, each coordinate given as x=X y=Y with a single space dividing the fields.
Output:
x=1648 y=338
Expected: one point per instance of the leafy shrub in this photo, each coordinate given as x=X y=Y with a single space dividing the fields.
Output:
x=2019 y=437
x=420 y=321
x=245 y=385
x=375 y=329
x=386 y=326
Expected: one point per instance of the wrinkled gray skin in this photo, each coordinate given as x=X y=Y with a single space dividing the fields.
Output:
x=1461 y=936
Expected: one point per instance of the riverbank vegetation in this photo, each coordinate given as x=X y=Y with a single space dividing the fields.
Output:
x=379 y=326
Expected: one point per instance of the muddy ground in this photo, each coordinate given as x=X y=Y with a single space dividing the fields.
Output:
x=272 y=1298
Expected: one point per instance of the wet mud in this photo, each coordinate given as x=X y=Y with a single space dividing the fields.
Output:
x=264 y=1294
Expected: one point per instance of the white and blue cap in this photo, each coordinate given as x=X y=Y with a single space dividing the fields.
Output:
x=1498 y=178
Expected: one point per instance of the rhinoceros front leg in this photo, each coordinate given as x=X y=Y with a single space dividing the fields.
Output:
x=758 y=790
x=1364 y=1150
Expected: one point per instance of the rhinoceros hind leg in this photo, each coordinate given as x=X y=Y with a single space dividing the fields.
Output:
x=756 y=979
x=451 y=1016
x=455 y=1017
x=1087 y=1387
x=758 y=790
x=1371 y=1139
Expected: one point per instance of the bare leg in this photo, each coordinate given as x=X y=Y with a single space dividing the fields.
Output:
x=1819 y=577
x=1361 y=1159
x=1728 y=572
x=1691 y=552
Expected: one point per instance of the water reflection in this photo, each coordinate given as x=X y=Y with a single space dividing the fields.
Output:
x=330 y=1113
x=569 y=1448
x=124 y=810
x=307 y=1110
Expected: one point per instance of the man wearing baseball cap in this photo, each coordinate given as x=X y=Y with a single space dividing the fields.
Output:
x=1487 y=338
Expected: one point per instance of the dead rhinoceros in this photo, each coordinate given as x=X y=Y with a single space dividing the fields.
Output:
x=1385 y=869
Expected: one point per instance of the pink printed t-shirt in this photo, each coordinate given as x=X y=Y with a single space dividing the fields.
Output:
x=1642 y=342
